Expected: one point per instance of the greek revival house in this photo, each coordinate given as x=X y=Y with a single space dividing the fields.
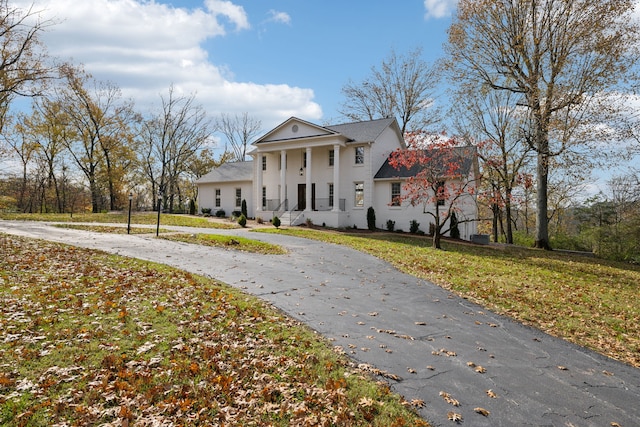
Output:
x=329 y=175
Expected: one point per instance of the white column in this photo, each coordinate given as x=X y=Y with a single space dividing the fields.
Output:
x=336 y=178
x=259 y=182
x=308 y=194
x=283 y=176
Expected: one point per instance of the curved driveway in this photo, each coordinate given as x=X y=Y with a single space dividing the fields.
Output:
x=420 y=336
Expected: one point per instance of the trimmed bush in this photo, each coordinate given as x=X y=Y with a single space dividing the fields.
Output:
x=371 y=218
x=242 y=220
x=455 y=231
x=206 y=211
x=243 y=208
x=276 y=222
x=414 y=226
x=391 y=225
x=220 y=213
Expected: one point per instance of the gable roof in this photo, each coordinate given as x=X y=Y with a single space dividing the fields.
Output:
x=229 y=172
x=464 y=155
x=355 y=132
x=282 y=133
x=367 y=131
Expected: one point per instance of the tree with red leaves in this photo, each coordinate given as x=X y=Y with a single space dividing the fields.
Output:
x=440 y=175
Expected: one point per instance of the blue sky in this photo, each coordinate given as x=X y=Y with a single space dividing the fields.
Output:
x=270 y=58
x=273 y=59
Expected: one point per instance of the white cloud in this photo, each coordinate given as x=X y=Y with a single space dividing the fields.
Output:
x=439 y=8
x=144 y=47
x=280 y=17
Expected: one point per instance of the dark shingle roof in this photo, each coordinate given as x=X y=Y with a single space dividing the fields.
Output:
x=463 y=155
x=229 y=172
x=362 y=131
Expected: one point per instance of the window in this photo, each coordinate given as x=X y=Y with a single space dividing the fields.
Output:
x=264 y=163
x=332 y=157
x=217 y=197
x=238 y=197
x=441 y=193
x=330 y=195
x=264 y=197
x=359 y=155
x=395 y=194
x=359 y=199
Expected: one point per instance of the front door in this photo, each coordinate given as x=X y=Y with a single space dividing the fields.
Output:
x=302 y=196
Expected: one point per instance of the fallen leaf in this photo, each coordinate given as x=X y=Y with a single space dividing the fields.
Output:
x=492 y=394
x=455 y=417
x=482 y=411
x=447 y=398
x=418 y=403
x=480 y=370
x=563 y=368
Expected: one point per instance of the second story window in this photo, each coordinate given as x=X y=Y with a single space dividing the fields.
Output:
x=359 y=156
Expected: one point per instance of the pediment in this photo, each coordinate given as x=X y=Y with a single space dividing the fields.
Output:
x=292 y=129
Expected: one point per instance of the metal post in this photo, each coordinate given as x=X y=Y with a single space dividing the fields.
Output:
x=129 y=218
x=159 y=207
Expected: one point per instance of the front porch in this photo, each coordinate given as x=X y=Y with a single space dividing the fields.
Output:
x=322 y=212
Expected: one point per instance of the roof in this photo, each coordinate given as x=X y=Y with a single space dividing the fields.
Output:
x=229 y=172
x=355 y=132
x=464 y=155
x=362 y=131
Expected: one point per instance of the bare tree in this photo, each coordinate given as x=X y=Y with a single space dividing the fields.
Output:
x=97 y=132
x=22 y=57
x=172 y=138
x=493 y=122
x=403 y=87
x=239 y=130
x=559 y=56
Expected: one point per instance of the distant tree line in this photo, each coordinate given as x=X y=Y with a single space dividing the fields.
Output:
x=83 y=146
x=541 y=89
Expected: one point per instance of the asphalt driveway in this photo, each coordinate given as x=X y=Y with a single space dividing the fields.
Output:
x=422 y=339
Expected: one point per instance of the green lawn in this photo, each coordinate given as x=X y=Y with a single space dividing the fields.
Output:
x=146 y=218
x=588 y=301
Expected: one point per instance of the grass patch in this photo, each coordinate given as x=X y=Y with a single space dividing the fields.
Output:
x=228 y=242
x=146 y=218
x=88 y=338
x=109 y=229
x=588 y=301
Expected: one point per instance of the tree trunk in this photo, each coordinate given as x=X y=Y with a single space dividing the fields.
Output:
x=509 y=220
x=542 y=221
x=495 y=209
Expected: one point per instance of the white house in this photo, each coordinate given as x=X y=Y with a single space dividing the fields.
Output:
x=329 y=175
